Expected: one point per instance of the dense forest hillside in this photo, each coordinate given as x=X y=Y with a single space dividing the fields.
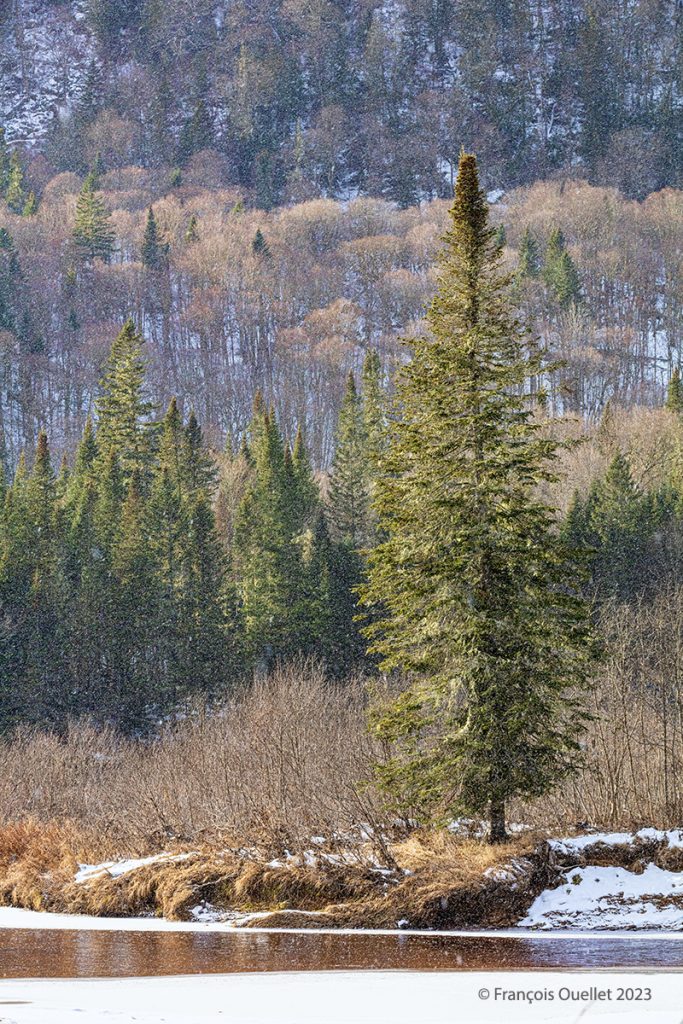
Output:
x=300 y=99
x=232 y=300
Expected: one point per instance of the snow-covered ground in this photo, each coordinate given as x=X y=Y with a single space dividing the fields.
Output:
x=594 y=896
x=363 y=997
x=611 y=897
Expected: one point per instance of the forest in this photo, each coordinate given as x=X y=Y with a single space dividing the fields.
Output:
x=303 y=99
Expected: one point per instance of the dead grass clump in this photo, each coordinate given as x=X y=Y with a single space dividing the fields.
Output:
x=35 y=862
x=167 y=889
x=260 y=886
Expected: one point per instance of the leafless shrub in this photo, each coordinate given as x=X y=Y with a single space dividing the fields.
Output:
x=282 y=762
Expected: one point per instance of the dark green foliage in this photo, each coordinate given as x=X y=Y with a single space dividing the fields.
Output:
x=260 y=247
x=473 y=592
x=122 y=408
x=674 y=392
x=154 y=252
x=559 y=272
x=192 y=234
x=630 y=534
x=529 y=262
x=4 y=161
x=114 y=584
x=93 y=236
x=14 y=190
x=197 y=133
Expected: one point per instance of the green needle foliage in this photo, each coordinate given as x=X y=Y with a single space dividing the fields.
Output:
x=93 y=235
x=472 y=591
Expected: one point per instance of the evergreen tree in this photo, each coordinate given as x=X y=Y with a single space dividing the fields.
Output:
x=269 y=562
x=4 y=161
x=473 y=592
x=14 y=192
x=349 y=491
x=30 y=207
x=260 y=247
x=192 y=234
x=620 y=522
x=197 y=133
x=559 y=272
x=529 y=264
x=154 y=251
x=93 y=236
x=122 y=408
x=10 y=277
x=674 y=392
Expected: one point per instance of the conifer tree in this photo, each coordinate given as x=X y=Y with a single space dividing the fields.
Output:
x=374 y=410
x=620 y=523
x=30 y=206
x=154 y=251
x=674 y=392
x=473 y=592
x=260 y=247
x=10 y=275
x=197 y=133
x=529 y=263
x=559 y=271
x=122 y=408
x=269 y=564
x=192 y=233
x=14 y=192
x=349 y=493
x=4 y=161
x=93 y=236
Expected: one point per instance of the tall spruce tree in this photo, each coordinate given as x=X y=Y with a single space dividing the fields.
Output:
x=122 y=408
x=14 y=190
x=154 y=250
x=349 y=492
x=93 y=235
x=529 y=263
x=559 y=271
x=473 y=592
x=674 y=392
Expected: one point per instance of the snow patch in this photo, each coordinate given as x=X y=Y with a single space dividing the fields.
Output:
x=116 y=868
x=596 y=897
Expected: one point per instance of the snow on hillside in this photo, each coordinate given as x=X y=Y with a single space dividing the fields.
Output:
x=45 y=50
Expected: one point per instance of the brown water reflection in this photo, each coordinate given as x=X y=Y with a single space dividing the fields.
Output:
x=31 y=953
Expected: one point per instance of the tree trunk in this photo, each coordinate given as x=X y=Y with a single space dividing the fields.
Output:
x=497 y=833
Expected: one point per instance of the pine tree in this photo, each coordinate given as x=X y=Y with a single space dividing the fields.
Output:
x=374 y=410
x=4 y=161
x=154 y=250
x=14 y=192
x=349 y=491
x=269 y=563
x=122 y=408
x=192 y=234
x=30 y=207
x=197 y=133
x=260 y=247
x=559 y=272
x=620 y=524
x=473 y=592
x=674 y=392
x=529 y=263
x=93 y=236
x=10 y=276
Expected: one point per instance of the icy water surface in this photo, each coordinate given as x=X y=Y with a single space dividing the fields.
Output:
x=33 y=953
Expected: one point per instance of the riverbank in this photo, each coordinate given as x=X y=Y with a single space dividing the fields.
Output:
x=431 y=880
x=426 y=881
